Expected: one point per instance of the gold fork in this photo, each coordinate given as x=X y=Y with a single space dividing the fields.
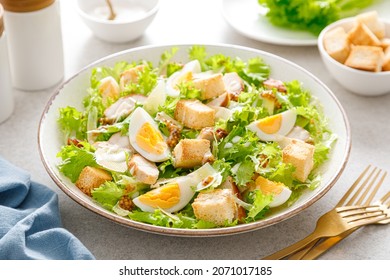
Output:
x=302 y=254
x=335 y=219
x=319 y=249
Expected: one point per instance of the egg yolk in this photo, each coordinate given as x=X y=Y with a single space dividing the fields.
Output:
x=164 y=197
x=268 y=187
x=183 y=79
x=150 y=140
x=270 y=124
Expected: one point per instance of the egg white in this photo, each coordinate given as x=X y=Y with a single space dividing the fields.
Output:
x=186 y=187
x=288 y=119
x=279 y=199
x=138 y=118
x=192 y=66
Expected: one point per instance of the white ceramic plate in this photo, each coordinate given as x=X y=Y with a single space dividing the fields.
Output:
x=247 y=18
x=71 y=93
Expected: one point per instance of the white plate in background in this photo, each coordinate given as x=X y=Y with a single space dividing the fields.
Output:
x=247 y=17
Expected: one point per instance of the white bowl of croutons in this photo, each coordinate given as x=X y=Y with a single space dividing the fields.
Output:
x=356 y=51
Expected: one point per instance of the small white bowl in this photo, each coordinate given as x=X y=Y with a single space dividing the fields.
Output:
x=357 y=81
x=133 y=17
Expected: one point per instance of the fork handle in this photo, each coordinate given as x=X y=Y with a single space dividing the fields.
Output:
x=302 y=253
x=294 y=247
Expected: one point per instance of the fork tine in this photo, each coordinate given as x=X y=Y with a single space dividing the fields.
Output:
x=369 y=181
x=362 y=210
x=352 y=188
x=362 y=215
x=385 y=198
x=362 y=220
x=374 y=191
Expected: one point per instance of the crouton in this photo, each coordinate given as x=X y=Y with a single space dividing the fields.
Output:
x=371 y=20
x=367 y=58
x=300 y=155
x=91 y=178
x=362 y=35
x=130 y=76
x=336 y=43
x=211 y=86
x=385 y=42
x=217 y=206
x=194 y=114
x=386 y=60
x=191 y=152
x=109 y=89
x=143 y=170
x=230 y=185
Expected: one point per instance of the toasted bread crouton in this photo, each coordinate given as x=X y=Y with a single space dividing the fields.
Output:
x=217 y=206
x=367 y=58
x=371 y=20
x=109 y=89
x=91 y=178
x=386 y=60
x=336 y=43
x=211 y=86
x=130 y=76
x=191 y=152
x=194 y=114
x=143 y=170
x=300 y=155
x=385 y=42
x=363 y=36
x=230 y=185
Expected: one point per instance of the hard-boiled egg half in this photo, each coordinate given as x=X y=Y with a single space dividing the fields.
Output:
x=176 y=193
x=184 y=75
x=171 y=197
x=273 y=127
x=279 y=191
x=146 y=138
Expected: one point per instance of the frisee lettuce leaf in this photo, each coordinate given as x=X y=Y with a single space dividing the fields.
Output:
x=75 y=158
x=108 y=194
x=311 y=15
x=259 y=203
x=72 y=123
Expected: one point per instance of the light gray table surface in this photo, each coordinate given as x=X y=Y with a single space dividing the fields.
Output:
x=201 y=22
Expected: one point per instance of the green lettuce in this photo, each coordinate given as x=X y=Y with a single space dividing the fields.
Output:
x=108 y=194
x=72 y=123
x=75 y=158
x=259 y=203
x=311 y=15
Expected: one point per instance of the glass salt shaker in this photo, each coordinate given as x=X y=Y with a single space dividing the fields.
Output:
x=34 y=40
x=6 y=91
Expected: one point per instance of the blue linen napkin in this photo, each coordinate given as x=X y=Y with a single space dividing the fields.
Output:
x=30 y=223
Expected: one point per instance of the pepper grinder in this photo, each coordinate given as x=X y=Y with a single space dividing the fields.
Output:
x=34 y=40
x=6 y=94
